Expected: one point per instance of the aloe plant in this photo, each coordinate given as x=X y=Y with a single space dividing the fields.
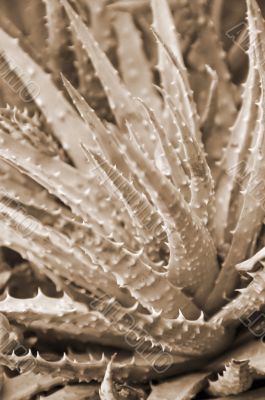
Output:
x=132 y=201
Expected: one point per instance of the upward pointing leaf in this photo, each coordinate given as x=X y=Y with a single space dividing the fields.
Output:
x=252 y=212
x=140 y=208
x=98 y=130
x=138 y=81
x=235 y=158
x=172 y=70
x=67 y=127
x=123 y=105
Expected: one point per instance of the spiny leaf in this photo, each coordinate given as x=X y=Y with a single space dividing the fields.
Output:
x=249 y=300
x=49 y=172
x=235 y=158
x=61 y=255
x=236 y=378
x=41 y=304
x=107 y=323
x=21 y=126
x=252 y=211
x=207 y=50
x=136 y=369
x=98 y=130
x=151 y=288
x=96 y=15
x=51 y=102
x=207 y=118
x=180 y=222
x=201 y=180
x=58 y=36
x=182 y=96
x=191 y=337
x=121 y=101
x=253 y=351
x=178 y=177
x=140 y=208
x=139 y=83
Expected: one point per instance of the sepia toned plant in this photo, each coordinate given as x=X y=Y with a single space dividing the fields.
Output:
x=132 y=202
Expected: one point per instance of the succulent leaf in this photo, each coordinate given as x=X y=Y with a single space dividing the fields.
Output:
x=48 y=98
x=132 y=203
x=236 y=378
x=121 y=102
x=19 y=388
x=252 y=211
x=185 y=387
